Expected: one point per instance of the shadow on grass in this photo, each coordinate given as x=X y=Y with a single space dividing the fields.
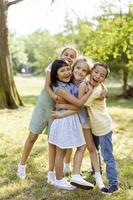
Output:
x=35 y=187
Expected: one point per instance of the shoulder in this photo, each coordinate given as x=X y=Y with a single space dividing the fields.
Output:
x=98 y=88
x=97 y=91
x=48 y=68
x=61 y=85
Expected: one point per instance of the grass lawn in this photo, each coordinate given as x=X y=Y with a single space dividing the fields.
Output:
x=14 y=131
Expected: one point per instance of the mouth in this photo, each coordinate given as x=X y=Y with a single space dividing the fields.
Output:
x=94 y=81
x=69 y=61
x=67 y=77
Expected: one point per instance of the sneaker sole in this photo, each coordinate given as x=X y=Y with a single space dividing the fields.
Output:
x=62 y=188
x=107 y=193
x=85 y=187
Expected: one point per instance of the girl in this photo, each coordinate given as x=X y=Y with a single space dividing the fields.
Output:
x=81 y=69
x=41 y=118
x=101 y=124
x=60 y=136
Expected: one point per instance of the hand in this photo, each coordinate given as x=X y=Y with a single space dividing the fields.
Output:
x=104 y=92
x=60 y=100
x=89 y=88
x=56 y=115
x=59 y=106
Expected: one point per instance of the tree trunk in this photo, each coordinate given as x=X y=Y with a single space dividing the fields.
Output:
x=125 y=82
x=9 y=97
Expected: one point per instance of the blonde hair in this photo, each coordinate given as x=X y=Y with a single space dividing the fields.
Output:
x=86 y=60
x=69 y=47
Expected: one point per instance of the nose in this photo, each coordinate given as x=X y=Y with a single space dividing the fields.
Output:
x=80 y=71
x=68 y=72
x=97 y=75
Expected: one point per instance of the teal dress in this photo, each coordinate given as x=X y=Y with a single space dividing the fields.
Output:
x=41 y=117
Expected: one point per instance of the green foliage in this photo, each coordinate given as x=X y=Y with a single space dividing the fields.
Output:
x=18 y=51
x=108 y=38
x=40 y=47
x=112 y=41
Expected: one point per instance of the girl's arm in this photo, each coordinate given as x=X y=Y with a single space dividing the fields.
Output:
x=71 y=109
x=57 y=114
x=73 y=100
x=104 y=91
x=67 y=106
x=48 y=87
x=81 y=90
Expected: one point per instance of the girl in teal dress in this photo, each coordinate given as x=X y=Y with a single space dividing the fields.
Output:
x=41 y=117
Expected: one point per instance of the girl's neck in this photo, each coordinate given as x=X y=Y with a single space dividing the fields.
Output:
x=75 y=82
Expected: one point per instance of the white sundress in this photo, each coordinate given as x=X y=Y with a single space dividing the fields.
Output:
x=66 y=132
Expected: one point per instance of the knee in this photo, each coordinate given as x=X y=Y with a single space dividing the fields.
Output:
x=32 y=137
x=91 y=148
x=81 y=149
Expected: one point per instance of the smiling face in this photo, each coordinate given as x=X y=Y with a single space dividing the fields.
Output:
x=69 y=55
x=64 y=74
x=98 y=75
x=80 y=71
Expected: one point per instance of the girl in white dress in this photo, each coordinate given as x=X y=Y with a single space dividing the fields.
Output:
x=66 y=132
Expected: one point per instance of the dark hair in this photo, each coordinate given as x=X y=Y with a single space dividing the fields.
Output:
x=54 y=68
x=102 y=64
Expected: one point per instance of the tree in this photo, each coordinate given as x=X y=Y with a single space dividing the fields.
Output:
x=9 y=97
x=112 y=42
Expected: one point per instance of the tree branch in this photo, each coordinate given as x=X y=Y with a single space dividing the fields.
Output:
x=52 y=1
x=13 y=2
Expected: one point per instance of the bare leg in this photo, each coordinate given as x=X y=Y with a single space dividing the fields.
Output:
x=91 y=148
x=68 y=155
x=94 y=157
x=52 y=155
x=60 y=153
x=77 y=180
x=28 y=146
x=78 y=157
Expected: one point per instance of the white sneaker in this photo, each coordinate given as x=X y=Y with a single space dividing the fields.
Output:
x=51 y=177
x=99 y=181
x=67 y=168
x=63 y=184
x=21 y=171
x=78 y=181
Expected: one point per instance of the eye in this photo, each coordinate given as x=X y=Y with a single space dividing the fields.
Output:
x=102 y=75
x=72 y=56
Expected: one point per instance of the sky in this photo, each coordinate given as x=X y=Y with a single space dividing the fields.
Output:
x=31 y=15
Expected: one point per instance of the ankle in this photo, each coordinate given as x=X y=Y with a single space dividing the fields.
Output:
x=97 y=174
x=67 y=165
x=22 y=163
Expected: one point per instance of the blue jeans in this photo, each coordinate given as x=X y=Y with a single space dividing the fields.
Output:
x=107 y=153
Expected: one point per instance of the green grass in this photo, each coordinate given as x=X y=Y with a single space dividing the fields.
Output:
x=14 y=131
